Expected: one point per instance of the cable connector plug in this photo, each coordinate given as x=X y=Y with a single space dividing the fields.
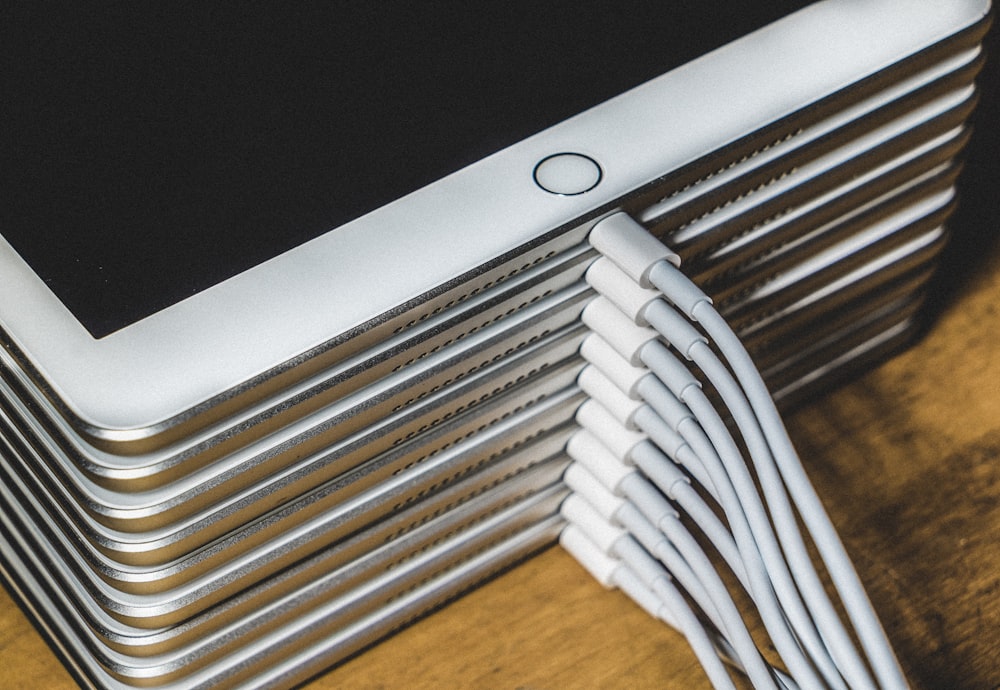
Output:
x=603 y=390
x=678 y=288
x=614 y=437
x=670 y=370
x=584 y=447
x=605 y=535
x=626 y=377
x=630 y=246
x=586 y=485
x=612 y=573
x=600 y=566
x=620 y=332
x=644 y=307
x=626 y=294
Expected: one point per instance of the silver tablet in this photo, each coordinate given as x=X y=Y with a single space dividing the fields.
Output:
x=153 y=284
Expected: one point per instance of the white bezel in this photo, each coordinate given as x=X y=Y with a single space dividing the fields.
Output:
x=132 y=382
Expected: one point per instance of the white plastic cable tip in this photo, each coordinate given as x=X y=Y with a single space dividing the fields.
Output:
x=643 y=307
x=630 y=246
x=666 y=475
x=671 y=371
x=604 y=535
x=598 y=460
x=584 y=484
x=674 y=327
x=618 y=440
x=626 y=294
x=678 y=288
x=600 y=388
x=668 y=440
x=601 y=567
x=662 y=399
x=604 y=318
x=626 y=377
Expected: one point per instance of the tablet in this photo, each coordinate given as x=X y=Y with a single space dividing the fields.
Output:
x=190 y=225
x=290 y=300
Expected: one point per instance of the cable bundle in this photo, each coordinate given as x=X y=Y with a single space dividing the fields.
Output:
x=649 y=431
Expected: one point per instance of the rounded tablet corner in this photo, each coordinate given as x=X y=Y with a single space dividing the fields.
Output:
x=117 y=436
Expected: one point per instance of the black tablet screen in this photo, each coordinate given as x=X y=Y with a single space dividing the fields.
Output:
x=149 y=154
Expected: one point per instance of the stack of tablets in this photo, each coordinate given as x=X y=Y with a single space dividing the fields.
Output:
x=303 y=462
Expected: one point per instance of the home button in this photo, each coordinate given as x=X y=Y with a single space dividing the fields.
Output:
x=567 y=174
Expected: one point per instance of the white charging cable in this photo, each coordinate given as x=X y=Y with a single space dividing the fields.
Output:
x=649 y=412
x=621 y=562
x=648 y=267
x=664 y=433
x=615 y=512
x=749 y=568
x=626 y=482
x=623 y=310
